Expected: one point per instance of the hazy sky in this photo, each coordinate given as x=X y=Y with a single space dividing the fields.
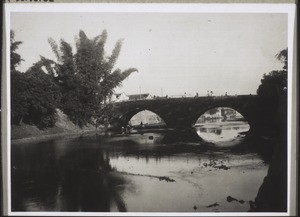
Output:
x=174 y=53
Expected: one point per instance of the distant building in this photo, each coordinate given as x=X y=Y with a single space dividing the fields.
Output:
x=215 y=114
x=225 y=114
x=140 y=96
x=119 y=97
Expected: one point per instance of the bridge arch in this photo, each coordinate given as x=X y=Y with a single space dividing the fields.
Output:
x=126 y=117
x=204 y=110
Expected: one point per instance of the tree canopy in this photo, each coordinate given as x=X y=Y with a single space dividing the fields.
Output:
x=88 y=77
x=15 y=58
x=274 y=83
x=78 y=83
x=34 y=94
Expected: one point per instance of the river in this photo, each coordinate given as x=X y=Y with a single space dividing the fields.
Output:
x=162 y=171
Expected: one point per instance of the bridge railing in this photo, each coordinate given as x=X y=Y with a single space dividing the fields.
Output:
x=169 y=99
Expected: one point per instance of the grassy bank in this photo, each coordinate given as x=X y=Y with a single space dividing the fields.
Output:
x=63 y=127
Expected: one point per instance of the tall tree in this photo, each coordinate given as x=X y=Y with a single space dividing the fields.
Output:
x=87 y=77
x=15 y=58
x=34 y=94
x=274 y=84
x=43 y=95
x=19 y=106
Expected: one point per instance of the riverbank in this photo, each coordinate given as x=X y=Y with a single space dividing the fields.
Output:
x=41 y=138
x=24 y=133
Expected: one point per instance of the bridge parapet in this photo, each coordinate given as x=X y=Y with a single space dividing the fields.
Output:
x=188 y=99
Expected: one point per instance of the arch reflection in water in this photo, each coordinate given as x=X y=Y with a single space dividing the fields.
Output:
x=222 y=126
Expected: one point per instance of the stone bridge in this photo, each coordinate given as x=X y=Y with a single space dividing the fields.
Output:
x=182 y=113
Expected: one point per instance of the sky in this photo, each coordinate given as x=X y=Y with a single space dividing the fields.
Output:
x=175 y=53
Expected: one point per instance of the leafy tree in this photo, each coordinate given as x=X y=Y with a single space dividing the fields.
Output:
x=19 y=94
x=15 y=58
x=283 y=57
x=34 y=94
x=274 y=84
x=43 y=96
x=19 y=85
x=86 y=78
x=213 y=111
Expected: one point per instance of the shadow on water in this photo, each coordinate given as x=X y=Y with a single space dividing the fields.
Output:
x=80 y=180
x=100 y=172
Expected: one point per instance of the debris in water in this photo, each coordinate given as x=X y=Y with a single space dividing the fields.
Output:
x=230 y=199
x=160 y=178
x=195 y=207
x=212 y=205
x=216 y=165
x=224 y=167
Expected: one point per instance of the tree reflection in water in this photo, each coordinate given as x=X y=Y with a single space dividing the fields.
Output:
x=88 y=182
x=81 y=180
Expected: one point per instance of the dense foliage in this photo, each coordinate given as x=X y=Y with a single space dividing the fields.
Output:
x=34 y=94
x=79 y=84
x=15 y=58
x=87 y=77
x=274 y=84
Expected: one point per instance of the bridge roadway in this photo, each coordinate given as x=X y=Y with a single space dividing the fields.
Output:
x=182 y=113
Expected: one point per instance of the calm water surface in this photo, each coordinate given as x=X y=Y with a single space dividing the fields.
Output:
x=223 y=133
x=166 y=171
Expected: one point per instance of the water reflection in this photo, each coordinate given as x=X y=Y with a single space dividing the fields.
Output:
x=168 y=171
x=79 y=180
x=222 y=126
x=223 y=133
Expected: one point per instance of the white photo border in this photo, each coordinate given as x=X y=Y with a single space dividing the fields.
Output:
x=9 y=8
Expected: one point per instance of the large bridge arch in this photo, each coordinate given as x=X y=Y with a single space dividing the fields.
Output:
x=203 y=110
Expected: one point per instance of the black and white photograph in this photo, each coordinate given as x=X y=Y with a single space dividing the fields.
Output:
x=149 y=109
